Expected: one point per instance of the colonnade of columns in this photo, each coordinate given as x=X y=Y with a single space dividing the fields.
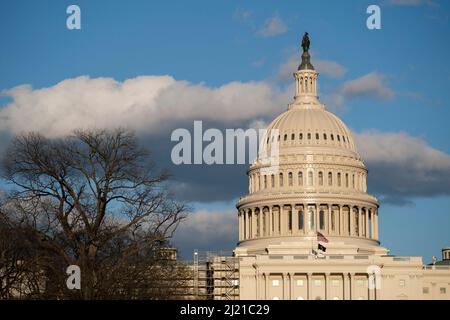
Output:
x=307 y=218
x=346 y=286
x=306 y=83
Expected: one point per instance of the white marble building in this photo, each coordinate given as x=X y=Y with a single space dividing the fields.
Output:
x=319 y=185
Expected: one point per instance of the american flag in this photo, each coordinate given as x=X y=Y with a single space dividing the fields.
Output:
x=321 y=237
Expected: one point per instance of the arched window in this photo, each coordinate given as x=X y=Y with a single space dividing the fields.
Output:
x=272 y=181
x=300 y=220
x=353 y=181
x=346 y=180
x=330 y=178
x=265 y=182
x=290 y=179
x=317 y=136
x=356 y=215
x=320 y=178
x=281 y=179
x=339 y=179
x=309 y=136
x=310 y=218
x=332 y=137
x=343 y=138
x=293 y=136
x=285 y=137
x=278 y=137
x=310 y=178
x=321 y=220
x=300 y=178
x=324 y=136
x=339 y=138
x=301 y=136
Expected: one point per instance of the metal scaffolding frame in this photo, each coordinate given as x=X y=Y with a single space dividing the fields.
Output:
x=215 y=275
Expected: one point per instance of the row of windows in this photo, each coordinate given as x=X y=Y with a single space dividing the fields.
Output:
x=341 y=180
x=317 y=298
x=442 y=290
x=309 y=136
x=318 y=282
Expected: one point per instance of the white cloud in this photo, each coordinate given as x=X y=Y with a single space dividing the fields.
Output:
x=372 y=85
x=273 y=27
x=328 y=68
x=145 y=103
x=402 y=166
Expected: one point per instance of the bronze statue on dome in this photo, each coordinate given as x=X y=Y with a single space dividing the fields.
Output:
x=305 y=42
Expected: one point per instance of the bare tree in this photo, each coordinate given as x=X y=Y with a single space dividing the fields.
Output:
x=94 y=200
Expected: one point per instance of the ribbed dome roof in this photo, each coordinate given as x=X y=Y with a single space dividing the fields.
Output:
x=311 y=127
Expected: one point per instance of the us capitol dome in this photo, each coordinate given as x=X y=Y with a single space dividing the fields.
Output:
x=308 y=229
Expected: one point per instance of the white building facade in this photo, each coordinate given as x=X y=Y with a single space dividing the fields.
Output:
x=317 y=186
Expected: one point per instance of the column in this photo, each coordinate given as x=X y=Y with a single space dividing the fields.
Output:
x=267 y=224
x=372 y=230
x=254 y=223
x=341 y=221
x=369 y=284
x=359 y=222
x=257 y=284
x=316 y=217
x=352 y=286
x=352 y=221
x=294 y=219
x=276 y=222
x=291 y=283
x=266 y=286
x=345 y=287
x=327 y=286
x=246 y=226
x=366 y=217
x=306 y=217
x=261 y=286
x=260 y=222
x=240 y=224
x=285 y=286
x=282 y=220
x=270 y=221
x=309 y=284
x=376 y=223
x=328 y=227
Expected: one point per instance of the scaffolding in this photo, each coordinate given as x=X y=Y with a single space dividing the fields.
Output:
x=215 y=275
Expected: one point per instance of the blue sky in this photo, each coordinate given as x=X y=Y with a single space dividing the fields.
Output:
x=212 y=44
